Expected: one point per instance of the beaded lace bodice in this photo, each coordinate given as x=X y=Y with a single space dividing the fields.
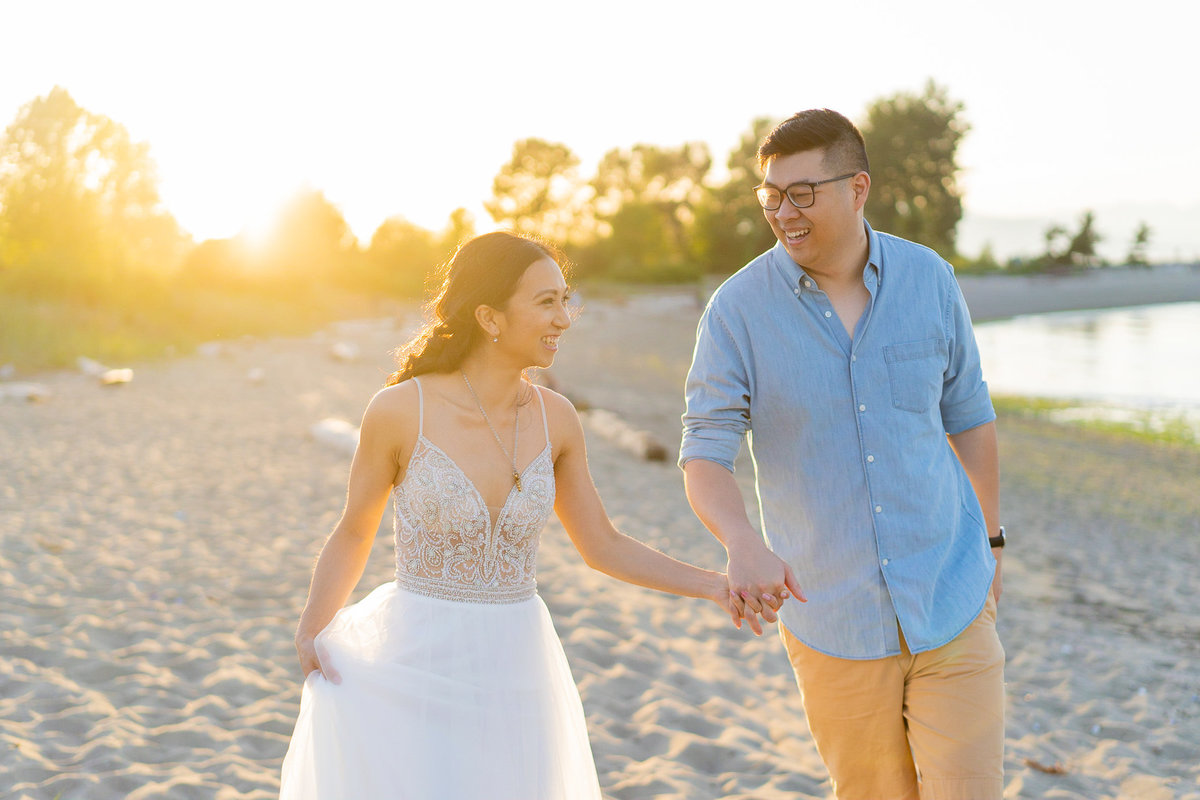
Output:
x=447 y=544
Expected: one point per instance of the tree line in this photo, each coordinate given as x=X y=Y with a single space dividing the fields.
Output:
x=81 y=216
x=1065 y=250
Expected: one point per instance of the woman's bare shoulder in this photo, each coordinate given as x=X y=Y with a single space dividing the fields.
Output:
x=397 y=397
x=560 y=415
x=555 y=403
x=395 y=407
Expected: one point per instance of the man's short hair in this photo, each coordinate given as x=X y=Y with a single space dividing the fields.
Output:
x=817 y=129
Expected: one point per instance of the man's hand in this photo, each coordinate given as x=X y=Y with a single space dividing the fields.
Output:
x=759 y=582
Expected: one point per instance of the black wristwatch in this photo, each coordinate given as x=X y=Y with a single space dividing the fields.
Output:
x=998 y=540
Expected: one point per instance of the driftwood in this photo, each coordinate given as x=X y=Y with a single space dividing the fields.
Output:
x=608 y=424
x=116 y=377
x=22 y=390
x=106 y=375
x=640 y=443
x=1050 y=769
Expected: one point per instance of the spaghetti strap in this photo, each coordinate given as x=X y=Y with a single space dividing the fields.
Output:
x=545 y=424
x=421 y=408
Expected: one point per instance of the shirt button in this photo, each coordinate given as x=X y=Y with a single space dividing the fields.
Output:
x=854 y=358
x=885 y=562
x=808 y=284
x=796 y=292
x=878 y=509
x=828 y=314
x=870 y=459
x=862 y=408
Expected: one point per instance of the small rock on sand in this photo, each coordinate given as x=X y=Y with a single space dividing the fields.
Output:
x=336 y=432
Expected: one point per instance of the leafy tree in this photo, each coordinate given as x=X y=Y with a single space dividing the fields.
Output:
x=309 y=241
x=912 y=142
x=1139 y=246
x=460 y=228
x=645 y=199
x=986 y=261
x=403 y=258
x=1082 y=248
x=1055 y=256
x=218 y=264
x=538 y=191
x=651 y=174
x=79 y=202
x=641 y=247
x=730 y=229
x=1065 y=250
x=401 y=255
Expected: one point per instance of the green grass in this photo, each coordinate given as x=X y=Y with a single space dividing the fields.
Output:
x=1146 y=427
x=39 y=334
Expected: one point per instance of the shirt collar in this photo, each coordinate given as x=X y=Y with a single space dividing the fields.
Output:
x=873 y=272
x=795 y=276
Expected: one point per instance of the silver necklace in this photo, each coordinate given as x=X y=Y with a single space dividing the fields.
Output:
x=516 y=430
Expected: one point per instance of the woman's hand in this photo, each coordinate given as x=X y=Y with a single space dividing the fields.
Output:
x=315 y=658
x=759 y=582
x=724 y=596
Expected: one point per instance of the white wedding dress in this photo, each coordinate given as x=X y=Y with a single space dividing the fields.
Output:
x=454 y=682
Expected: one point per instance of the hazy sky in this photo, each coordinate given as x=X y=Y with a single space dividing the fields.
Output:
x=410 y=108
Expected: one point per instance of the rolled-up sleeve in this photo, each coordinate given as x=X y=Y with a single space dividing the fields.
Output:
x=965 y=400
x=718 y=395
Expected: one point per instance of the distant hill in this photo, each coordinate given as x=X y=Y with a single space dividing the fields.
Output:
x=1174 y=232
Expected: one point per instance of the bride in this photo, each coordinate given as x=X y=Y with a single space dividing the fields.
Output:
x=450 y=681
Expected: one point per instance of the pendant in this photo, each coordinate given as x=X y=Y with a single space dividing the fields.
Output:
x=517 y=480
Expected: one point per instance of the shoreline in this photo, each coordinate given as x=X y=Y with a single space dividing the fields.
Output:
x=993 y=297
x=989 y=297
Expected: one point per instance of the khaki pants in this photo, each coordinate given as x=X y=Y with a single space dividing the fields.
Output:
x=927 y=726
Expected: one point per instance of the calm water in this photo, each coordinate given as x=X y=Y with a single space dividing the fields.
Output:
x=1128 y=363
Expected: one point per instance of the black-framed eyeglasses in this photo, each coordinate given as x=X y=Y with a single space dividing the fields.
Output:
x=801 y=194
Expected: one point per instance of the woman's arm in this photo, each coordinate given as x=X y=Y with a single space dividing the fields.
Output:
x=602 y=546
x=344 y=554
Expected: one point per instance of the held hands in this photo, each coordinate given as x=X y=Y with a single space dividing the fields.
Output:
x=759 y=582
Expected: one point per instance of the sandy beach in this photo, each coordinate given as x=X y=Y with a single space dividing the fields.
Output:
x=157 y=537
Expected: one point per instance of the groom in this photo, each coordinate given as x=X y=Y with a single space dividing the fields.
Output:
x=847 y=359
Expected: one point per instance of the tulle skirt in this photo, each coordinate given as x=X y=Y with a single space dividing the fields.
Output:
x=440 y=700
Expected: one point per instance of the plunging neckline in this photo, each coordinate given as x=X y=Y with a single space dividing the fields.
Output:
x=492 y=522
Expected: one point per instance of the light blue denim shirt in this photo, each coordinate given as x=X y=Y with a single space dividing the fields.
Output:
x=858 y=488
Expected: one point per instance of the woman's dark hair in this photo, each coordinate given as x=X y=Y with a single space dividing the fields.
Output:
x=817 y=129
x=485 y=270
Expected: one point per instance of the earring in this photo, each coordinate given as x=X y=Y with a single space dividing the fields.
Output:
x=495 y=339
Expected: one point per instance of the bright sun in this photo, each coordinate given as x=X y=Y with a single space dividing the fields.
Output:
x=260 y=226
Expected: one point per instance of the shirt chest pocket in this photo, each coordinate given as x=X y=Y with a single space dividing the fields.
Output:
x=915 y=371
